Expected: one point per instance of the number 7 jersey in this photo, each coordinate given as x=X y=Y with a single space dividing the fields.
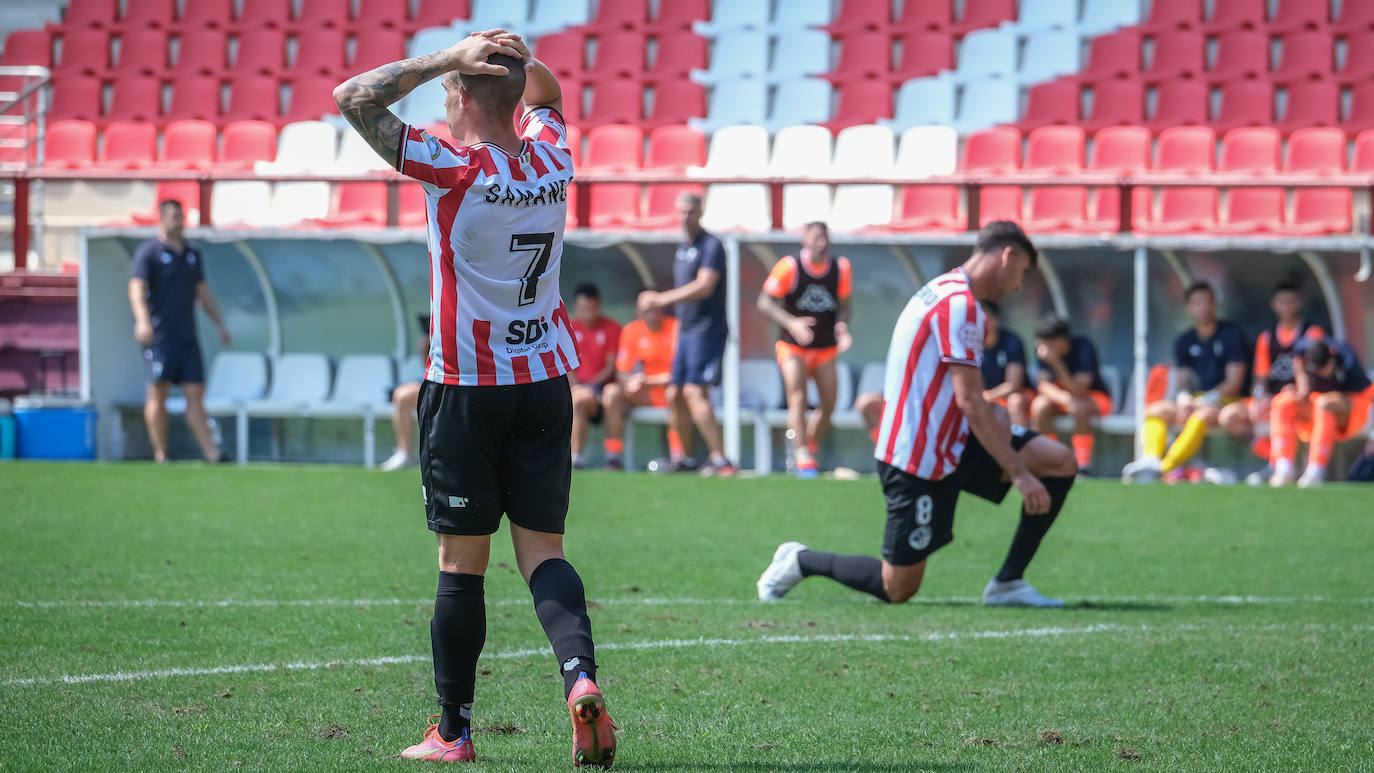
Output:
x=495 y=230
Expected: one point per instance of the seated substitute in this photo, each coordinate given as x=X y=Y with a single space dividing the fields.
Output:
x=1068 y=383
x=808 y=296
x=405 y=401
x=1214 y=353
x=643 y=369
x=598 y=339
x=1273 y=370
x=1004 y=368
x=1329 y=404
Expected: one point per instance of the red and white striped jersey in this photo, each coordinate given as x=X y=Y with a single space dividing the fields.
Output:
x=495 y=225
x=923 y=431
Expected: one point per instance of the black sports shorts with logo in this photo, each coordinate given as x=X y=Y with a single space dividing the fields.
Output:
x=920 y=512
x=486 y=451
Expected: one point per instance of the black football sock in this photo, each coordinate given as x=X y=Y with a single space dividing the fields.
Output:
x=862 y=573
x=457 y=632
x=561 y=604
x=1032 y=529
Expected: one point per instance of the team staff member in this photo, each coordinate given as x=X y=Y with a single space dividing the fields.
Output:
x=1068 y=381
x=1004 y=367
x=167 y=280
x=598 y=339
x=1215 y=355
x=495 y=408
x=940 y=437
x=699 y=301
x=808 y=296
x=644 y=366
x=1273 y=370
x=1329 y=405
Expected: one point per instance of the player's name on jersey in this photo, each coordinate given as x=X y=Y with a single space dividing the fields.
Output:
x=554 y=192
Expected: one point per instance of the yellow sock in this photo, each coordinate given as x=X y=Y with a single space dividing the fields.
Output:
x=1189 y=442
x=1156 y=435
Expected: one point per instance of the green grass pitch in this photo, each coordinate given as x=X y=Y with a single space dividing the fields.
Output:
x=276 y=618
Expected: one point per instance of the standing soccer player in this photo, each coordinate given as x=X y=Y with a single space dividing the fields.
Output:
x=940 y=437
x=808 y=296
x=495 y=408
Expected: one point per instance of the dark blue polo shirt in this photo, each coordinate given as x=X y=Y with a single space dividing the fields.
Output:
x=1082 y=358
x=172 y=278
x=705 y=317
x=1207 y=359
x=1349 y=376
x=1007 y=351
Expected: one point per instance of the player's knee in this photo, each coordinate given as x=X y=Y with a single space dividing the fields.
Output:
x=1059 y=463
x=796 y=396
x=1084 y=409
x=673 y=394
x=899 y=592
x=1160 y=410
x=695 y=394
x=1001 y=415
x=612 y=395
x=1327 y=402
x=1208 y=414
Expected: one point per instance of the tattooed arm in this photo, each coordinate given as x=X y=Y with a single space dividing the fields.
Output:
x=364 y=99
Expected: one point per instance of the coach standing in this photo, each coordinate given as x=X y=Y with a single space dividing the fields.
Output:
x=168 y=278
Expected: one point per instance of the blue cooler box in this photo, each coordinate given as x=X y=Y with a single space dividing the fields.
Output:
x=55 y=428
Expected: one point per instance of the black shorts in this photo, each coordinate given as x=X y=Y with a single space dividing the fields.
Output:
x=175 y=362
x=698 y=359
x=920 y=512
x=492 y=450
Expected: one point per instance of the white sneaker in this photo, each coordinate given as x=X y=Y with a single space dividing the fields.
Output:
x=1143 y=470
x=1259 y=477
x=783 y=574
x=1312 y=477
x=1017 y=593
x=1219 y=476
x=398 y=460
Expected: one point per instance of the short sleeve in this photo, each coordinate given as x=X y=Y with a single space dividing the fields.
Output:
x=959 y=325
x=1236 y=349
x=143 y=259
x=1181 y=358
x=199 y=265
x=713 y=256
x=544 y=124
x=1316 y=333
x=624 y=358
x=430 y=160
x=846 y=279
x=1085 y=358
x=782 y=279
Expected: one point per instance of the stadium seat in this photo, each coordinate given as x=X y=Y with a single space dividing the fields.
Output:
x=69 y=145
x=1240 y=54
x=128 y=145
x=305 y=146
x=926 y=16
x=1252 y=151
x=1116 y=103
x=987 y=54
x=739 y=101
x=924 y=101
x=924 y=55
x=1172 y=15
x=426 y=102
x=261 y=52
x=1318 y=210
x=317 y=14
x=254 y=15
x=135 y=99
x=1311 y=103
x=90 y=13
x=142 y=53
x=928 y=208
x=76 y=98
x=926 y=151
x=1124 y=150
x=1055 y=102
x=802 y=151
x=565 y=53
x=862 y=55
x=1305 y=56
x=374 y=15
x=980 y=14
x=299 y=381
x=311 y=99
x=414 y=210
x=1056 y=150
x=257 y=99
x=207 y=14
x=678 y=54
x=437 y=13
x=1180 y=103
x=678 y=16
x=1048 y=14
x=496 y=14
x=235 y=378
x=802 y=13
x=1186 y=150
x=188 y=145
x=862 y=102
x=986 y=102
x=761 y=385
x=201 y=53
x=1111 y=57
x=1232 y=15
x=246 y=143
x=295 y=202
x=737 y=150
x=617 y=100
x=359 y=205
x=614 y=148
x=676 y=102
x=552 y=17
x=1244 y=103
x=319 y=52
x=862 y=151
x=197 y=97
x=376 y=48
x=361 y=386
x=736 y=207
x=85 y=52
x=27 y=47
x=187 y=192
x=1360 y=115
x=1180 y=54
x=675 y=148
x=807 y=54
x=356 y=156
x=1362 y=160
x=739 y=53
x=612 y=14
x=1048 y=55
x=1101 y=16
x=1297 y=15
x=995 y=151
x=619 y=55
x=800 y=101
x=734 y=14
x=1359 y=60
x=859 y=16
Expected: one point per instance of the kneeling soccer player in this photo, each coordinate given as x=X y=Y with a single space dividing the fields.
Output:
x=933 y=397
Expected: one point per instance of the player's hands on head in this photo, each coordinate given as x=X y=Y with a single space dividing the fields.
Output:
x=470 y=55
x=507 y=38
x=800 y=328
x=1033 y=494
x=143 y=333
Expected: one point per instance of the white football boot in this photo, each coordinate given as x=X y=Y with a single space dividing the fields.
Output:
x=1285 y=474
x=1143 y=470
x=398 y=460
x=1017 y=593
x=1260 y=477
x=1312 y=477
x=783 y=574
x=1220 y=476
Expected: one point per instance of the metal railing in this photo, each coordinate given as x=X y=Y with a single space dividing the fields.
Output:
x=23 y=128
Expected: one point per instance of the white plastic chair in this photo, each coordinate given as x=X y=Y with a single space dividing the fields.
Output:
x=736 y=207
x=739 y=53
x=356 y=156
x=800 y=101
x=862 y=151
x=793 y=14
x=985 y=103
x=1101 y=16
x=801 y=151
x=760 y=385
x=987 y=54
x=497 y=14
x=799 y=53
x=1035 y=15
x=304 y=146
x=360 y=391
x=299 y=382
x=241 y=203
x=550 y=16
x=740 y=101
x=293 y=202
x=922 y=101
x=733 y=14
x=736 y=150
x=235 y=378
x=1049 y=54
x=871 y=379
x=844 y=388
x=927 y=151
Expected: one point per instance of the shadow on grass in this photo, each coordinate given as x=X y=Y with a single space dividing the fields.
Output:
x=1100 y=606
x=845 y=765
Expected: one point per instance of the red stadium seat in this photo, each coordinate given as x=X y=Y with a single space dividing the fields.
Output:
x=261 y=52
x=141 y=53
x=1361 y=115
x=76 y=98
x=856 y=16
x=188 y=145
x=1124 y=150
x=27 y=47
x=187 y=192
x=1296 y=15
x=1240 y=54
x=995 y=151
x=614 y=148
x=84 y=52
x=862 y=55
x=90 y=13
x=1318 y=210
x=616 y=100
x=195 y=98
x=201 y=53
x=360 y=205
x=924 y=54
x=1179 y=103
x=129 y=145
x=575 y=144
x=679 y=15
x=928 y=208
x=675 y=102
x=437 y=13
x=1232 y=15
x=136 y=99
x=1355 y=18
x=678 y=54
x=1359 y=59
x=980 y=14
x=376 y=14
x=1245 y=103
x=1251 y=151
x=862 y=102
x=311 y=98
x=1305 y=56
x=565 y=53
x=1056 y=150
x=925 y=16
x=1180 y=54
x=1053 y=103
x=620 y=14
x=1117 y=103
x=255 y=99
x=201 y=14
x=675 y=148
x=660 y=213
x=376 y=48
x=619 y=55
x=1113 y=56
x=1186 y=150
x=1312 y=103
x=572 y=106
x=246 y=143
x=332 y=14
x=148 y=14
x=414 y=210
x=1170 y=15
x=257 y=14
x=69 y=145
x=1363 y=159
x=319 y=52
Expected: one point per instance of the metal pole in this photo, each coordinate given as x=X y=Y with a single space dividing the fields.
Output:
x=21 y=223
x=1142 y=321
x=730 y=374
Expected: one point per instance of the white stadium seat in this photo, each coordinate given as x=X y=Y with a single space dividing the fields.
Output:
x=497 y=14
x=737 y=151
x=242 y=203
x=927 y=151
x=304 y=146
x=736 y=207
x=802 y=151
x=235 y=378
x=862 y=151
x=743 y=151
x=360 y=390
